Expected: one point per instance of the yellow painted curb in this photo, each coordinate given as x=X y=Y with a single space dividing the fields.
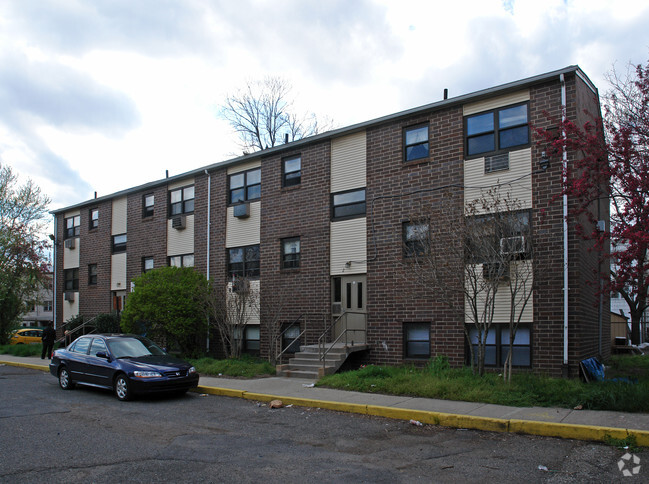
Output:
x=223 y=392
x=26 y=365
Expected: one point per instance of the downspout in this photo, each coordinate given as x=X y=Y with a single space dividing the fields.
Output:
x=209 y=222
x=54 y=298
x=565 y=228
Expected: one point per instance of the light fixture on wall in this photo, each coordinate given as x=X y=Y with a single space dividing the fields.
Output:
x=544 y=162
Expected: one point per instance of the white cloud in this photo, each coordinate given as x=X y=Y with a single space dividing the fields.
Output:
x=108 y=94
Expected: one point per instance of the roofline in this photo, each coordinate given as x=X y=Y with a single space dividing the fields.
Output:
x=474 y=96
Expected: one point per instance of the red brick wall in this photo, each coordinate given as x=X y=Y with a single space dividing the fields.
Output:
x=301 y=211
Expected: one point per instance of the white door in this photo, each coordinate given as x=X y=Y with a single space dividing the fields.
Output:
x=349 y=296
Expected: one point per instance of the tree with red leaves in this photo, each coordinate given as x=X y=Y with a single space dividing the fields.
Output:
x=23 y=252
x=613 y=163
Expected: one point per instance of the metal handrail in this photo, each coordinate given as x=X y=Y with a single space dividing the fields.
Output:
x=75 y=330
x=322 y=352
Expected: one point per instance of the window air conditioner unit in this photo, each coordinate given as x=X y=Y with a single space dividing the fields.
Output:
x=242 y=210
x=496 y=163
x=68 y=296
x=69 y=243
x=495 y=271
x=240 y=285
x=336 y=308
x=512 y=245
x=178 y=222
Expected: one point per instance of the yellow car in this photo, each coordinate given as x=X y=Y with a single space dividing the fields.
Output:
x=26 y=336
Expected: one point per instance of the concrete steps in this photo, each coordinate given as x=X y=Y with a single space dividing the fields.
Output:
x=306 y=363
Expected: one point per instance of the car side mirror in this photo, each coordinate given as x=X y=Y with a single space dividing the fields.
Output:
x=102 y=354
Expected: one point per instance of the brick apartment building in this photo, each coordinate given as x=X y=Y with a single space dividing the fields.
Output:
x=321 y=222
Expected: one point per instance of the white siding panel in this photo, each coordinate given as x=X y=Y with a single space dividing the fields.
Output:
x=71 y=308
x=348 y=162
x=349 y=243
x=520 y=190
x=118 y=272
x=251 y=309
x=181 y=241
x=503 y=298
x=119 y=216
x=248 y=165
x=71 y=256
x=180 y=183
x=496 y=102
x=240 y=232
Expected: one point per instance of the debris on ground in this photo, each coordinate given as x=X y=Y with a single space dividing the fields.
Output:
x=308 y=385
x=578 y=407
x=543 y=468
x=417 y=423
x=275 y=404
x=203 y=395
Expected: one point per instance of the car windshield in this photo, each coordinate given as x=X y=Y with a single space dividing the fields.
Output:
x=133 y=347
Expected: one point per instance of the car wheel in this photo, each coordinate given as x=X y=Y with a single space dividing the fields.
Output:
x=122 y=389
x=64 y=379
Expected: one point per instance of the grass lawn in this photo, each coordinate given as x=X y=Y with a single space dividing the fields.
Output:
x=436 y=380
x=244 y=367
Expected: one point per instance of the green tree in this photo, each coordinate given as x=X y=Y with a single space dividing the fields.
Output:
x=169 y=306
x=23 y=249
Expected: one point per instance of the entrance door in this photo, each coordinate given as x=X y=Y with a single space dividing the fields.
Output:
x=349 y=297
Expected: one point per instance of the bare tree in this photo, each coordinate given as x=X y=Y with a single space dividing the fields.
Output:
x=263 y=112
x=480 y=264
x=231 y=309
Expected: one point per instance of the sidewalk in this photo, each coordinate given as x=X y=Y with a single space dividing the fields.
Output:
x=553 y=422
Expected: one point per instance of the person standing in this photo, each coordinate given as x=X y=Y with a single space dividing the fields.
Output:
x=49 y=335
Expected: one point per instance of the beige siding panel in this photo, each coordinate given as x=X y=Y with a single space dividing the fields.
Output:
x=181 y=242
x=118 y=272
x=71 y=256
x=119 y=216
x=252 y=311
x=349 y=243
x=520 y=189
x=248 y=165
x=71 y=308
x=181 y=183
x=503 y=298
x=348 y=162
x=72 y=213
x=240 y=232
x=497 y=102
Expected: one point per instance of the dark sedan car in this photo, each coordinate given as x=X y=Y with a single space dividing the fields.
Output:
x=128 y=364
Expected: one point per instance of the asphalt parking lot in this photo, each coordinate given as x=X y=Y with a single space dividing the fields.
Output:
x=87 y=435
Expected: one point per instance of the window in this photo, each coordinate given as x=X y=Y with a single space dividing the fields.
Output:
x=93 y=216
x=497 y=345
x=243 y=261
x=416 y=340
x=291 y=253
x=148 y=201
x=291 y=171
x=47 y=306
x=71 y=279
x=92 y=274
x=497 y=130
x=181 y=201
x=416 y=238
x=245 y=186
x=81 y=346
x=415 y=143
x=119 y=243
x=289 y=341
x=72 y=226
x=147 y=264
x=186 y=260
x=348 y=204
x=503 y=233
x=251 y=340
x=97 y=346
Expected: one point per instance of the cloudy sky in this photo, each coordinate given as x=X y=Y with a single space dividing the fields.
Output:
x=102 y=95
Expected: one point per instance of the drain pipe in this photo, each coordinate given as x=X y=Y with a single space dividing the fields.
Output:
x=55 y=242
x=564 y=166
x=209 y=222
